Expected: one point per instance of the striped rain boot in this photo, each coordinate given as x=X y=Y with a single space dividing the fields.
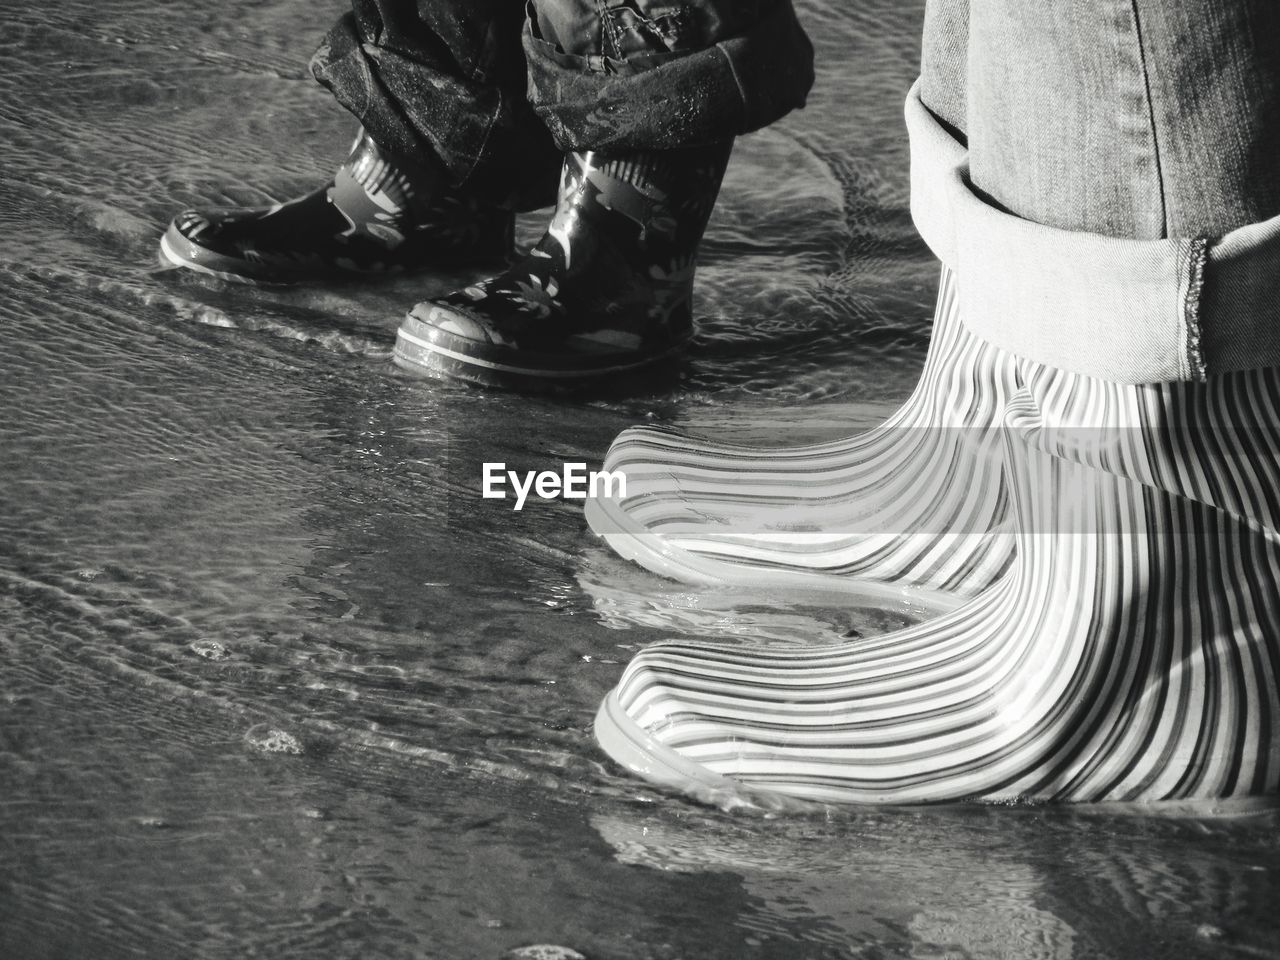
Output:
x=1131 y=654
x=607 y=290
x=378 y=215
x=916 y=502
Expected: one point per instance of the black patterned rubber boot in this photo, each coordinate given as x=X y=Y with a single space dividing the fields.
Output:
x=377 y=216
x=607 y=289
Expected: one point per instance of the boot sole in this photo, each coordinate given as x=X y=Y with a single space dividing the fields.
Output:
x=428 y=351
x=176 y=250
x=629 y=746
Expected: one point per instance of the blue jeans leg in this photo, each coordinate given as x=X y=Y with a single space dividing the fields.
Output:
x=1130 y=118
x=1144 y=120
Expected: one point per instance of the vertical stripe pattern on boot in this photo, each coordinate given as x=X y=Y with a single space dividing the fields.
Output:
x=917 y=501
x=1131 y=654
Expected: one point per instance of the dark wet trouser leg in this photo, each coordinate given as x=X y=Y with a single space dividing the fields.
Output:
x=448 y=77
x=656 y=75
x=445 y=78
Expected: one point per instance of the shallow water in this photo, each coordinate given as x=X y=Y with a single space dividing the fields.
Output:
x=278 y=683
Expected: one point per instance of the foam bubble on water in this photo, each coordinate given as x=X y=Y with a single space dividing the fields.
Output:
x=380 y=670
x=271 y=740
x=213 y=318
x=114 y=223
x=209 y=649
x=543 y=951
x=183 y=309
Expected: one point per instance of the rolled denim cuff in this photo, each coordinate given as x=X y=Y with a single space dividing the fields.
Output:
x=1129 y=311
x=488 y=141
x=663 y=101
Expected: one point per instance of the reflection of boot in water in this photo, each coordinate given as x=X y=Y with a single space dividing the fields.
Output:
x=624 y=597
x=914 y=502
x=1171 y=888
x=907 y=892
x=1130 y=654
x=609 y=287
x=379 y=214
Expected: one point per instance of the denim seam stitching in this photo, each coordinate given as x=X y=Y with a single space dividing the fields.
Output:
x=1198 y=257
x=733 y=71
x=608 y=27
x=488 y=135
x=1151 y=117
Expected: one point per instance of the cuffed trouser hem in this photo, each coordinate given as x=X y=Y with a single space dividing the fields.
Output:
x=1128 y=311
x=668 y=101
x=483 y=134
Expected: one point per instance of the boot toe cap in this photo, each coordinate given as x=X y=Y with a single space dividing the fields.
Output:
x=190 y=240
x=192 y=225
x=442 y=322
